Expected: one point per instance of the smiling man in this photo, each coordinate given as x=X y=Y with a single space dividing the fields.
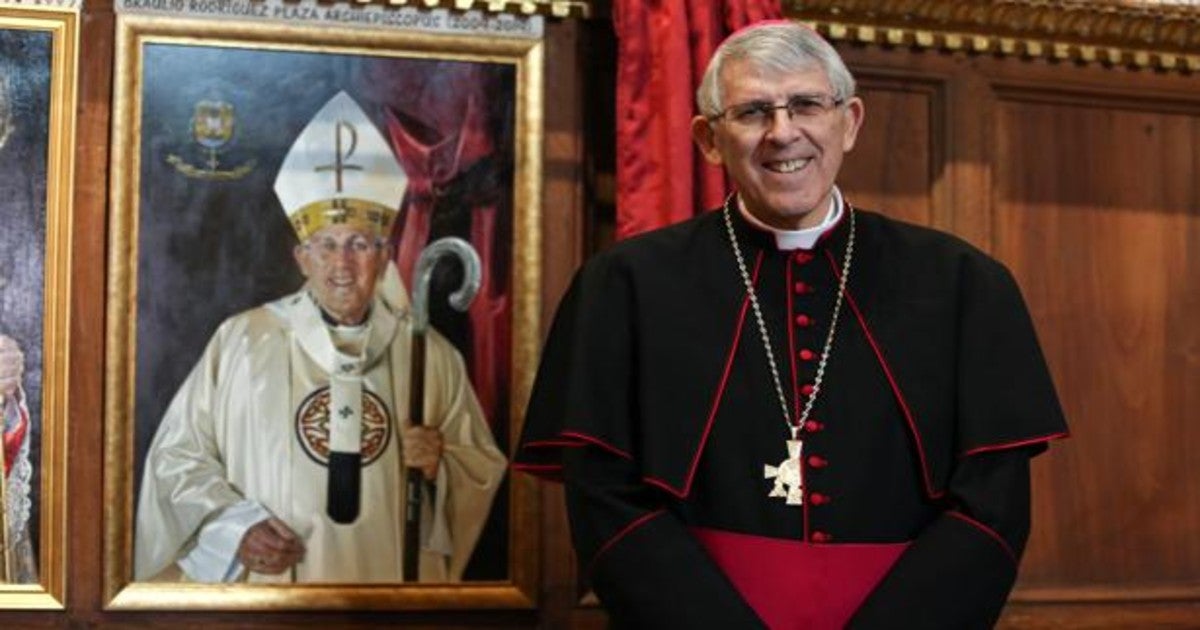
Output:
x=791 y=412
x=282 y=456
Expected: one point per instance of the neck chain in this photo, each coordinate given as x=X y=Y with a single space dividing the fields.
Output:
x=788 y=473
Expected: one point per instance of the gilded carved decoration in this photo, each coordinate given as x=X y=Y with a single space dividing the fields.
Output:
x=1163 y=34
x=553 y=8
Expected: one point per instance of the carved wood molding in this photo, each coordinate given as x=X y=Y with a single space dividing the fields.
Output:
x=1158 y=34
x=553 y=8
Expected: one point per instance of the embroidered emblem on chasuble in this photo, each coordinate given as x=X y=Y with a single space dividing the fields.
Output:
x=312 y=426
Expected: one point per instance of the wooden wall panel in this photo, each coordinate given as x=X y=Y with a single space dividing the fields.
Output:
x=563 y=218
x=1125 y=616
x=86 y=440
x=1083 y=180
x=892 y=166
x=1097 y=216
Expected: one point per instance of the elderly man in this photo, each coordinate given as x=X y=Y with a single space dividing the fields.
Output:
x=282 y=456
x=792 y=412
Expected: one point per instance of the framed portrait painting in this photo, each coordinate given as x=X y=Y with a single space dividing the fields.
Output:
x=37 y=106
x=209 y=219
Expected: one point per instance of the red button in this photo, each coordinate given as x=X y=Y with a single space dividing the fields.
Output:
x=807 y=355
x=816 y=461
x=812 y=426
x=803 y=321
x=819 y=499
x=803 y=287
x=803 y=258
x=820 y=537
x=806 y=389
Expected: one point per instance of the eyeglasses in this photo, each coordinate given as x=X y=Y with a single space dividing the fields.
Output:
x=328 y=249
x=759 y=114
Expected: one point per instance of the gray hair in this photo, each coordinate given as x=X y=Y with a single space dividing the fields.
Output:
x=778 y=47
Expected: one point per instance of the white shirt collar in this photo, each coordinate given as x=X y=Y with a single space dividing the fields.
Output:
x=798 y=239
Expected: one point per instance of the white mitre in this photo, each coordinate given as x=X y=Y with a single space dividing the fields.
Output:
x=341 y=170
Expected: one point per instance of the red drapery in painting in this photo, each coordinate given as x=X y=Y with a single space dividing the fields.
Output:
x=662 y=49
x=437 y=122
x=14 y=436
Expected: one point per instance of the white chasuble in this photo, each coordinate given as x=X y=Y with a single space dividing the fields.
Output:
x=249 y=433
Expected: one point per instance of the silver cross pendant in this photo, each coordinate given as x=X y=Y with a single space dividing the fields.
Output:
x=788 y=481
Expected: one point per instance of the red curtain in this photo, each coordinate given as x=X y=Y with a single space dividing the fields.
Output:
x=437 y=120
x=662 y=49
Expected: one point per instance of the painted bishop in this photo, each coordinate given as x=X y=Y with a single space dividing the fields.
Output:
x=282 y=456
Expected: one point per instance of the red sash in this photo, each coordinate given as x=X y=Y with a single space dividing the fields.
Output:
x=793 y=584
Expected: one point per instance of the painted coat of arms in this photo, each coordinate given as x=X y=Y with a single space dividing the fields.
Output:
x=213 y=124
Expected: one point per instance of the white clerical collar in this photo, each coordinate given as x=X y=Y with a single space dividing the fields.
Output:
x=798 y=239
x=348 y=340
x=315 y=335
x=349 y=329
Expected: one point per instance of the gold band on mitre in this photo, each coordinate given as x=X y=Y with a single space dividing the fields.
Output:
x=357 y=213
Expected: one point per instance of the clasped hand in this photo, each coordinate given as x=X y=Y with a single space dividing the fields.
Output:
x=422 y=449
x=270 y=547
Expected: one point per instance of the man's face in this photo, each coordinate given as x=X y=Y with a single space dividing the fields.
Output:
x=784 y=168
x=342 y=265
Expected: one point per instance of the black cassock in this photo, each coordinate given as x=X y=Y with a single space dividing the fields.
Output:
x=654 y=403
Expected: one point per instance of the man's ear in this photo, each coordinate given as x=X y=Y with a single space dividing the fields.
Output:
x=705 y=137
x=854 y=113
x=385 y=255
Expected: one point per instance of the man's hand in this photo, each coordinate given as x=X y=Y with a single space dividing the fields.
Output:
x=270 y=547
x=422 y=449
x=12 y=366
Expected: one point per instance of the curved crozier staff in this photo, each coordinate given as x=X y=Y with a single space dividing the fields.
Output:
x=460 y=300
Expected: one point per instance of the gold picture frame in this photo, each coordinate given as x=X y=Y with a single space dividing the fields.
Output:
x=53 y=116
x=555 y=8
x=134 y=131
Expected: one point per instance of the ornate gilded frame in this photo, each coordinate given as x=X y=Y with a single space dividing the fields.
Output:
x=134 y=32
x=1161 y=35
x=62 y=24
x=555 y=8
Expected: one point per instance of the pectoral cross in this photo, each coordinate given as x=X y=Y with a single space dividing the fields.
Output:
x=789 y=481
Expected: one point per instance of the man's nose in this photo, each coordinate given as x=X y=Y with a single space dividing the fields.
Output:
x=782 y=126
x=343 y=255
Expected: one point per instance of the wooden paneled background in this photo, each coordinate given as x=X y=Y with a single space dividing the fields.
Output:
x=1083 y=179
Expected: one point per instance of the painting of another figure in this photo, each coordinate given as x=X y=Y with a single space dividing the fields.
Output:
x=25 y=58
